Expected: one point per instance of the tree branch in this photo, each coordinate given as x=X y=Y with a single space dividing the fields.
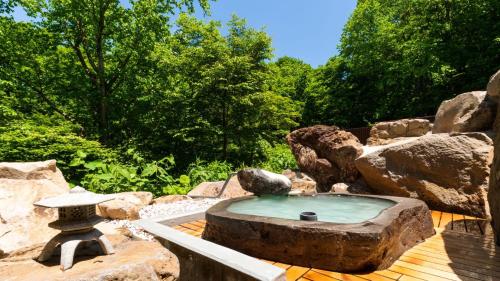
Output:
x=88 y=72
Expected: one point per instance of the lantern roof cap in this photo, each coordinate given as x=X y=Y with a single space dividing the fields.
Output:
x=77 y=196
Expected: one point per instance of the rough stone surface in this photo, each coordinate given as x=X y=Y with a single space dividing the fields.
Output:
x=493 y=88
x=448 y=171
x=494 y=188
x=467 y=112
x=326 y=153
x=371 y=245
x=386 y=132
x=211 y=189
x=22 y=184
x=119 y=209
x=133 y=260
x=45 y=170
x=301 y=183
x=170 y=199
x=357 y=187
x=260 y=181
x=126 y=205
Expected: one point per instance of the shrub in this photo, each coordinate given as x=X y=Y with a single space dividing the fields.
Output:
x=277 y=158
x=42 y=138
x=201 y=171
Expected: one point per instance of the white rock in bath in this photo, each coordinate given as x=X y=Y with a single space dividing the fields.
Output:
x=264 y=182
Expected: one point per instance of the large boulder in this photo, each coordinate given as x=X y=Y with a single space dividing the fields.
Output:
x=494 y=190
x=468 y=112
x=132 y=260
x=326 y=153
x=22 y=184
x=447 y=171
x=493 y=88
x=125 y=205
x=386 y=132
x=261 y=182
x=212 y=189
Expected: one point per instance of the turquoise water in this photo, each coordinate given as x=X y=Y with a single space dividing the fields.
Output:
x=329 y=208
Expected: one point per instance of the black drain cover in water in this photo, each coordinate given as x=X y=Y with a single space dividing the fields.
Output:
x=308 y=216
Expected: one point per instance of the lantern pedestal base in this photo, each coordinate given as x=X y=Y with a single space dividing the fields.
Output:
x=69 y=241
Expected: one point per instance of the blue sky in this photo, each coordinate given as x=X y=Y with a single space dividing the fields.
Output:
x=306 y=29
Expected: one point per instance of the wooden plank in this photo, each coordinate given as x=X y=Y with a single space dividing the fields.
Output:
x=415 y=273
x=374 y=277
x=436 y=217
x=409 y=278
x=472 y=225
x=444 y=260
x=458 y=269
x=389 y=274
x=457 y=249
x=191 y=226
x=295 y=272
x=198 y=223
x=486 y=246
x=316 y=276
x=453 y=256
x=338 y=275
x=459 y=223
x=446 y=219
x=431 y=271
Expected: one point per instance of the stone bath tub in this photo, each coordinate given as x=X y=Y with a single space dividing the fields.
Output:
x=372 y=241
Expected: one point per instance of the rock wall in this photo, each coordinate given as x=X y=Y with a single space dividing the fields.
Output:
x=22 y=184
x=467 y=112
x=387 y=132
x=494 y=190
x=448 y=171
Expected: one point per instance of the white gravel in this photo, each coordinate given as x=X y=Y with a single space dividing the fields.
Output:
x=177 y=208
x=164 y=210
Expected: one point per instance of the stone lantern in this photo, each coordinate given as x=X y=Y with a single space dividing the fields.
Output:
x=77 y=217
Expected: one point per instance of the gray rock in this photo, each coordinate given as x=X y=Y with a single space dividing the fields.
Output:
x=493 y=88
x=386 y=132
x=260 y=182
x=448 y=171
x=468 y=112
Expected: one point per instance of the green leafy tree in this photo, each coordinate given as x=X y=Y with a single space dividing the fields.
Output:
x=213 y=101
x=402 y=58
x=108 y=40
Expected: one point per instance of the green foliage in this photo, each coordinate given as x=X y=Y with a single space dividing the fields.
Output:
x=44 y=138
x=278 y=158
x=402 y=58
x=126 y=75
x=110 y=176
x=201 y=171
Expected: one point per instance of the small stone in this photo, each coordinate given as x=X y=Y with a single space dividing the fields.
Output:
x=340 y=188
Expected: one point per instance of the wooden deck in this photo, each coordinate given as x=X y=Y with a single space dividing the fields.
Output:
x=462 y=249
